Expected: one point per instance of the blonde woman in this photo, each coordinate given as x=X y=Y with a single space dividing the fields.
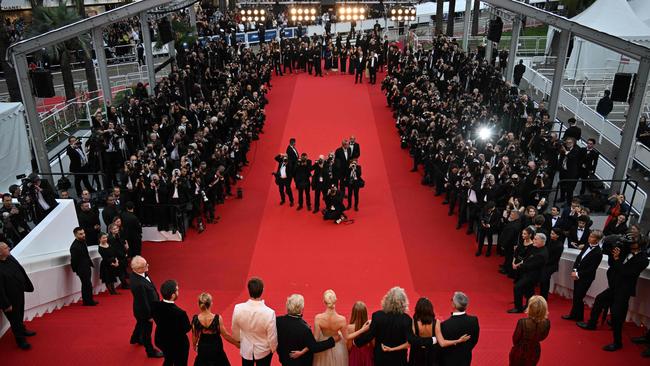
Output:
x=529 y=333
x=207 y=330
x=328 y=324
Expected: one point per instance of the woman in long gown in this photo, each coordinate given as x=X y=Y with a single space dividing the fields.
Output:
x=328 y=324
x=207 y=330
x=359 y=356
x=119 y=245
x=108 y=268
x=530 y=331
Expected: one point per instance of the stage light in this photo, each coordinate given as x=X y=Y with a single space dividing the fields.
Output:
x=252 y=14
x=293 y=11
x=243 y=12
x=304 y=12
x=249 y=12
x=294 y=18
x=262 y=11
x=312 y=11
x=399 y=11
x=255 y=11
x=403 y=13
x=263 y=19
x=484 y=133
x=350 y=12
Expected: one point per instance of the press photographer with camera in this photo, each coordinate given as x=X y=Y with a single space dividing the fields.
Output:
x=627 y=260
x=14 y=221
x=283 y=176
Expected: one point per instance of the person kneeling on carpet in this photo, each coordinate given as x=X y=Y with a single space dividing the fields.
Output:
x=334 y=206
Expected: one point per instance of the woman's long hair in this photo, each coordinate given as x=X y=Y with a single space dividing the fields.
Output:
x=359 y=315
x=424 y=311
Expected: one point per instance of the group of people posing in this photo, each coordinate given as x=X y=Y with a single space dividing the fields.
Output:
x=331 y=178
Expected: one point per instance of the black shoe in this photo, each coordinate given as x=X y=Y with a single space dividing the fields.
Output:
x=24 y=346
x=155 y=354
x=612 y=347
x=502 y=271
x=457 y=226
x=646 y=353
x=487 y=254
x=469 y=232
x=478 y=253
x=640 y=340
x=569 y=317
x=308 y=208
x=29 y=333
x=445 y=202
x=586 y=326
x=135 y=341
x=299 y=208
x=92 y=303
x=281 y=202
x=315 y=211
x=356 y=208
x=290 y=204
x=449 y=213
x=515 y=311
x=414 y=170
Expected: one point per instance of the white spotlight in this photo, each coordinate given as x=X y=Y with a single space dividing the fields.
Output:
x=484 y=133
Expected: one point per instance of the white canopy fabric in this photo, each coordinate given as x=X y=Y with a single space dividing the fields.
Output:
x=642 y=9
x=15 y=155
x=615 y=17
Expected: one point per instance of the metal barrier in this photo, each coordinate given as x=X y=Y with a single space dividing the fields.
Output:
x=628 y=185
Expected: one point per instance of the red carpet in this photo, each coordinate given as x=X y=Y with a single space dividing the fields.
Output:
x=402 y=236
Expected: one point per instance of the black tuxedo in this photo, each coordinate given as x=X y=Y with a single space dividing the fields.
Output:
x=342 y=159
x=588 y=166
x=319 y=182
x=14 y=282
x=391 y=329
x=144 y=295
x=530 y=272
x=359 y=67
x=87 y=221
x=555 y=249
x=560 y=223
x=570 y=169
x=284 y=184
x=172 y=325
x=132 y=233
x=622 y=277
x=293 y=335
x=81 y=265
x=585 y=265
x=292 y=156
x=356 y=150
x=78 y=165
x=453 y=328
x=573 y=237
x=507 y=239
x=373 y=62
x=302 y=178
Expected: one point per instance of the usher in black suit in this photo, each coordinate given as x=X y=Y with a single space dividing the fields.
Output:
x=132 y=232
x=293 y=335
x=172 y=325
x=144 y=295
x=585 y=266
x=14 y=282
x=453 y=328
x=81 y=265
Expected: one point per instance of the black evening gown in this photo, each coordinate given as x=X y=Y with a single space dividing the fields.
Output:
x=107 y=273
x=210 y=346
x=425 y=355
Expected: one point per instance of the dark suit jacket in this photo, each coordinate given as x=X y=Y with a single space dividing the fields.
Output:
x=289 y=169
x=341 y=163
x=79 y=258
x=622 y=277
x=131 y=226
x=555 y=249
x=573 y=131
x=294 y=335
x=509 y=235
x=356 y=151
x=14 y=282
x=531 y=268
x=573 y=237
x=144 y=295
x=392 y=330
x=589 y=160
x=75 y=160
x=587 y=265
x=573 y=159
x=303 y=174
x=454 y=328
x=172 y=325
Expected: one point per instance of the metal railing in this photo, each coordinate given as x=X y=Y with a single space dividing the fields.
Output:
x=72 y=114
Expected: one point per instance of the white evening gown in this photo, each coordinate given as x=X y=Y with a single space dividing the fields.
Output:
x=335 y=356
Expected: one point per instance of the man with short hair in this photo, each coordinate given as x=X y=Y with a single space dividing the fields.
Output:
x=584 y=273
x=455 y=327
x=82 y=265
x=172 y=325
x=529 y=272
x=605 y=105
x=78 y=164
x=132 y=230
x=14 y=221
x=144 y=295
x=14 y=282
x=253 y=324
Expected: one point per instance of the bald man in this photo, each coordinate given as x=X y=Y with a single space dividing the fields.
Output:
x=144 y=294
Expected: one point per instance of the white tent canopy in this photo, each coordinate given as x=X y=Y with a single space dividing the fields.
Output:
x=642 y=9
x=15 y=154
x=615 y=17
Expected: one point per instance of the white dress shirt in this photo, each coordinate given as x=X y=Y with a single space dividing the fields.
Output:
x=253 y=324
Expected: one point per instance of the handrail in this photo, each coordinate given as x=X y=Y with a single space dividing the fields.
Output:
x=633 y=184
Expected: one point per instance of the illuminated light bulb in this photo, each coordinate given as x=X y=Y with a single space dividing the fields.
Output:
x=300 y=17
x=255 y=12
x=413 y=11
x=355 y=10
x=263 y=18
x=243 y=12
x=262 y=12
x=362 y=10
x=313 y=11
x=399 y=18
x=348 y=10
x=362 y=17
x=293 y=18
x=341 y=11
x=399 y=11
x=313 y=18
x=293 y=10
x=299 y=10
x=392 y=11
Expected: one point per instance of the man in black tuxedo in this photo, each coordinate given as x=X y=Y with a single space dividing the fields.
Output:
x=111 y=211
x=529 y=272
x=555 y=247
x=359 y=67
x=302 y=178
x=283 y=175
x=584 y=273
x=144 y=295
x=519 y=71
x=82 y=265
x=320 y=180
x=14 y=282
x=456 y=326
x=507 y=239
x=589 y=163
x=579 y=234
x=342 y=157
x=292 y=154
x=295 y=337
x=172 y=325
x=78 y=164
x=132 y=230
x=569 y=164
x=554 y=220
x=625 y=267
x=43 y=197
x=572 y=131
x=355 y=148
x=89 y=221
x=373 y=63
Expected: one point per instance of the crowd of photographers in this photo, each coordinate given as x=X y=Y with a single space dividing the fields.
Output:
x=495 y=155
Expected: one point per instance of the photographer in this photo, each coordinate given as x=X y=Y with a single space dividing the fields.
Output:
x=39 y=195
x=14 y=221
x=334 y=206
x=78 y=164
x=354 y=183
x=626 y=262
x=302 y=178
x=283 y=176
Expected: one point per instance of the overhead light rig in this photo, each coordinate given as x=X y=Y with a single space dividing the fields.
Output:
x=253 y=14
x=304 y=13
x=402 y=13
x=349 y=12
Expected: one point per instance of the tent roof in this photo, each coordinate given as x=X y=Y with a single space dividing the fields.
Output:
x=642 y=10
x=614 y=17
